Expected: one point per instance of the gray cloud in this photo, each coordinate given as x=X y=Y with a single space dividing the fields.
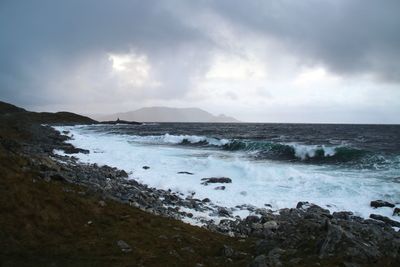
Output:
x=348 y=37
x=44 y=43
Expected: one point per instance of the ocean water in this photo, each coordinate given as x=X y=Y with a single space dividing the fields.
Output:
x=339 y=167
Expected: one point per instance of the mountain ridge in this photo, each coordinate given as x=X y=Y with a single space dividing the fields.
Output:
x=167 y=114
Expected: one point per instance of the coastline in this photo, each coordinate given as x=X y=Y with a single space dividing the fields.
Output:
x=300 y=236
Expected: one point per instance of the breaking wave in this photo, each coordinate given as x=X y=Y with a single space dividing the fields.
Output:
x=261 y=149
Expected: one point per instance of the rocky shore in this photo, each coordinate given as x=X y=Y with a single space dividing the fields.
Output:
x=307 y=235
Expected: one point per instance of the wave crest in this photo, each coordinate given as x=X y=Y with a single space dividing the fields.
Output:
x=262 y=149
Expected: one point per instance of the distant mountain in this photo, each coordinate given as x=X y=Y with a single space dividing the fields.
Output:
x=165 y=114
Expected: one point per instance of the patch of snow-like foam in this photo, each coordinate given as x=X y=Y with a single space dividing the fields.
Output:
x=309 y=151
x=279 y=184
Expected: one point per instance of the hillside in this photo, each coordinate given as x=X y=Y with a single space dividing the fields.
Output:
x=11 y=112
x=166 y=114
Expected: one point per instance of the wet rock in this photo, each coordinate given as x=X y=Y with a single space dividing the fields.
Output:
x=385 y=219
x=214 y=180
x=396 y=212
x=381 y=203
x=70 y=149
x=124 y=246
x=223 y=212
x=184 y=172
x=219 y=188
x=206 y=200
x=146 y=167
x=302 y=204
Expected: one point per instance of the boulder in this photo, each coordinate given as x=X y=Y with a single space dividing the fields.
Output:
x=146 y=167
x=220 y=188
x=381 y=203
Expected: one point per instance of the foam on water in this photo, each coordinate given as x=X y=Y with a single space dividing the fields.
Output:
x=280 y=184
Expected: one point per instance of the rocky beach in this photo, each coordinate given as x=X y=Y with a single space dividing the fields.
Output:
x=49 y=197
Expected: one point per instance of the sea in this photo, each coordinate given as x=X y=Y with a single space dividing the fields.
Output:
x=338 y=167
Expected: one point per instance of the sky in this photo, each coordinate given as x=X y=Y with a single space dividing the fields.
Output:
x=333 y=61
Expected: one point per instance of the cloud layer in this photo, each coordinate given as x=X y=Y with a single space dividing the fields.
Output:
x=333 y=61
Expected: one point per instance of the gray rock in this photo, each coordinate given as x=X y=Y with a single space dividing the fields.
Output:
x=219 y=188
x=271 y=225
x=385 y=219
x=396 y=212
x=302 y=204
x=333 y=237
x=146 y=167
x=223 y=212
x=124 y=246
x=214 y=180
x=227 y=251
x=259 y=261
x=381 y=203
x=184 y=172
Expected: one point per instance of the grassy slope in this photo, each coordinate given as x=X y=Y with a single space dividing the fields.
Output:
x=46 y=223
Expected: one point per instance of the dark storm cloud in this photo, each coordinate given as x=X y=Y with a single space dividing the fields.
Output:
x=39 y=38
x=347 y=36
x=42 y=40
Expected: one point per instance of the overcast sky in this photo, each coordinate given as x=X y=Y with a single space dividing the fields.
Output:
x=266 y=61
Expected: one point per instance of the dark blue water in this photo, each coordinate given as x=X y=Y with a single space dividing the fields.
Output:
x=360 y=146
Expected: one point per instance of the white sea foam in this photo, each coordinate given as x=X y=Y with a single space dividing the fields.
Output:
x=309 y=151
x=177 y=139
x=254 y=182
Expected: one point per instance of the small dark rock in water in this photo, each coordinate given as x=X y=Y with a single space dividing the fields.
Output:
x=124 y=246
x=188 y=173
x=381 y=203
x=268 y=205
x=223 y=212
x=205 y=200
x=396 y=211
x=118 y=121
x=301 y=204
x=69 y=149
x=385 y=219
x=146 y=167
x=215 y=180
x=220 y=188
